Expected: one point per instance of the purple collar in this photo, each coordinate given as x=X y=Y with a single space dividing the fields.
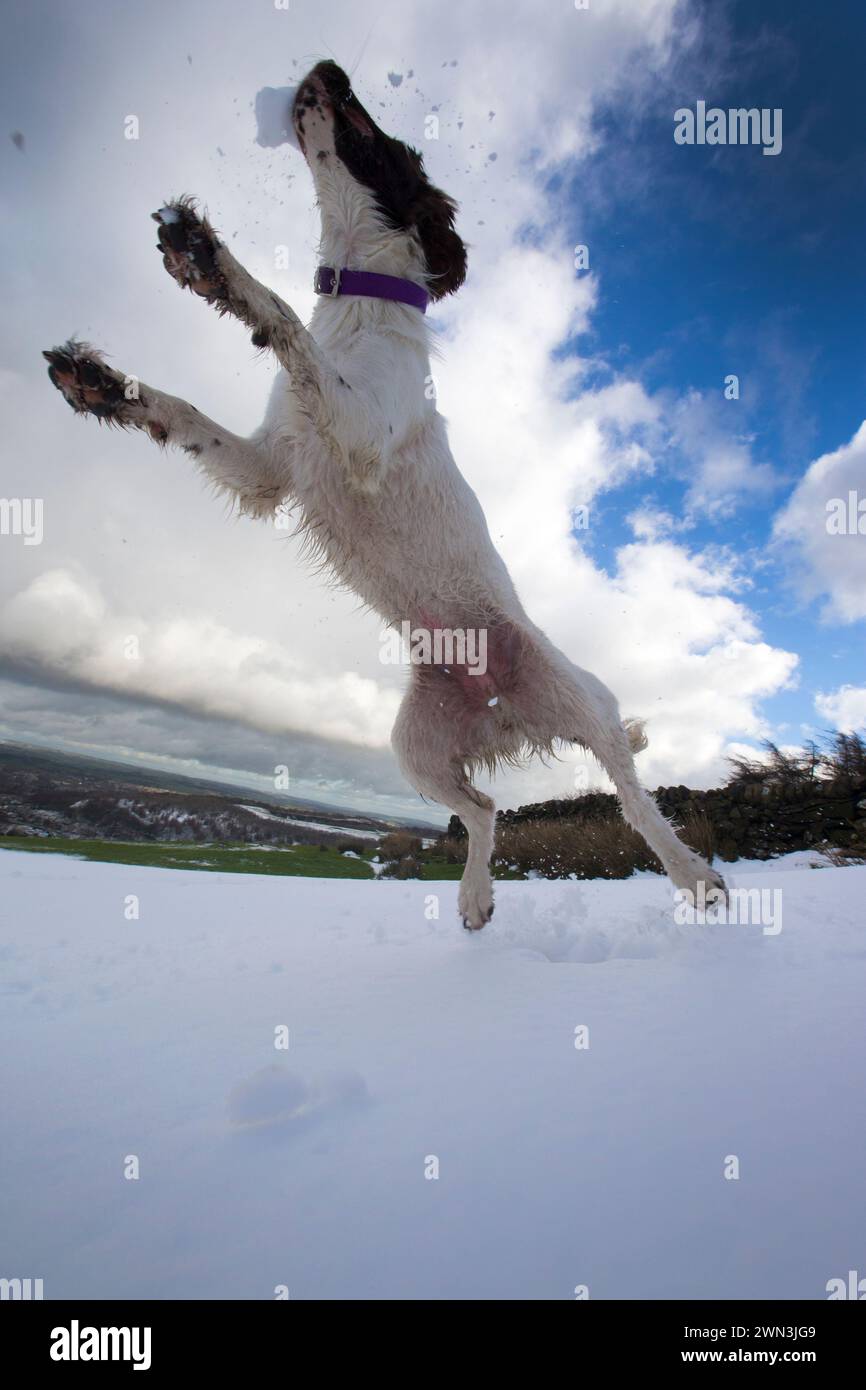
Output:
x=370 y=284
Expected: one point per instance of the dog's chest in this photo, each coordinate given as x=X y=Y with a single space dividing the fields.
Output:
x=368 y=536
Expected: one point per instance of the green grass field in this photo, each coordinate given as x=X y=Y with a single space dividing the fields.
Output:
x=305 y=861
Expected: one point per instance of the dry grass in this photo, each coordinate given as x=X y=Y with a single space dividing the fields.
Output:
x=842 y=857
x=696 y=830
x=602 y=848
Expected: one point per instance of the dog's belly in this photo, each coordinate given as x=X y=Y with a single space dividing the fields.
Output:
x=481 y=663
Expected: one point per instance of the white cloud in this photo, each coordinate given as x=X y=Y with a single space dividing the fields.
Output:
x=824 y=563
x=60 y=624
x=845 y=708
x=718 y=460
x=651 y=523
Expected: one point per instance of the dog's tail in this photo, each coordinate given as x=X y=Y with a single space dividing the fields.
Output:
x=635 y=730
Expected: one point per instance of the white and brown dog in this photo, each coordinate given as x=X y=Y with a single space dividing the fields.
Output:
x=352 y=440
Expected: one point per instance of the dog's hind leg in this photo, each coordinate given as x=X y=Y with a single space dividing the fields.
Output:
x=424 y=742
x=588 y=714
x=684 y=867
x=244 y=469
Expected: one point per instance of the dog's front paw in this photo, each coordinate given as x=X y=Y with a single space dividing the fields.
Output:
x=189 y=248
x=89 y=385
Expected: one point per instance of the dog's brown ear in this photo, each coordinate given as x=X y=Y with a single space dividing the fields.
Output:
x=433 y=213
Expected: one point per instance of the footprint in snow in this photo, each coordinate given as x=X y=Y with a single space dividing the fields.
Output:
x=276 y=1098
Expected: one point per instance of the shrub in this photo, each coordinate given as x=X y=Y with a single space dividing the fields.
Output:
x=842 y=759
x=452 y=851
x=777 y=768
x=846 y=757
x=408 y=867
x=399 y=844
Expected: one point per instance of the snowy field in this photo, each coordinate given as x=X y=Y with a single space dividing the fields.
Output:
x=411 y=1042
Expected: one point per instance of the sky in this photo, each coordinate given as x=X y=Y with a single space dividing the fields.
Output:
x=666 y=526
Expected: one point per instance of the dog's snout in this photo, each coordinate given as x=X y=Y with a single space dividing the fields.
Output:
x=326 y=82
x=310 y=93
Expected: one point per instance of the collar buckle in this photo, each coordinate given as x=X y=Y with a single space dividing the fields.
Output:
x=320 y=281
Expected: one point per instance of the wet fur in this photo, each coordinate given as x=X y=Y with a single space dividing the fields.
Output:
x=352 y=442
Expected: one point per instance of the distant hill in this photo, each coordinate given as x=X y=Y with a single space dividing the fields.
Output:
x=47 y=792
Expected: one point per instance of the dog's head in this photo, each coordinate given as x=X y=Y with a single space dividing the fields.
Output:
x=334 y=129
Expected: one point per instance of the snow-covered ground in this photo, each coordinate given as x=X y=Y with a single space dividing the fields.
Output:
x=313 y=824
x=412 y=1043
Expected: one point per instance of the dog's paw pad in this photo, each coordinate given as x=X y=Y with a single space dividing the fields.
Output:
x=477 y=917
x=86 y=382
x=189 y=247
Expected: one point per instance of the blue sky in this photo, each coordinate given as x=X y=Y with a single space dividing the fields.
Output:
x=748 y=264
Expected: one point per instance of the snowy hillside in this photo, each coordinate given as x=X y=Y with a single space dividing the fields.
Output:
x=409 y=1042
